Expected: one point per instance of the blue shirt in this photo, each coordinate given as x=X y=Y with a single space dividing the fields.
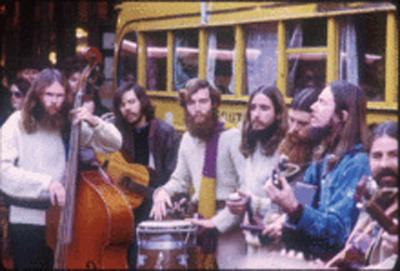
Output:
x=327 y=224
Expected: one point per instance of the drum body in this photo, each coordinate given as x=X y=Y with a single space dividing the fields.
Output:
x=166 y=245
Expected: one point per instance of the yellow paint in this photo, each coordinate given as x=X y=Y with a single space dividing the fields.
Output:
x=282 y=60
x=170 y=62
x=203 y=53
x=332 y=64
x=239 y=61
x=392 y=60
x=142 y=63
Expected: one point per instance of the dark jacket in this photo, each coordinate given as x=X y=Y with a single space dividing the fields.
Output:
x=163 y=145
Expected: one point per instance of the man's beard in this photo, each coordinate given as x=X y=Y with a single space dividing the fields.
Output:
x=264 y=134
x=318 y=134
x=298 y=150
x=205 y=129
x=51 y=122
x=133 y=124
x=387 y=172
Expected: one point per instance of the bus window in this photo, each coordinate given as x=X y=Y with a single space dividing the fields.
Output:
x=305 y=70
x=220 y=58
x=362 y=53
x=306 y=54
x=261 y=47
x=127 y=62
x=186 y=55
x=306 y=33
x=156 y=62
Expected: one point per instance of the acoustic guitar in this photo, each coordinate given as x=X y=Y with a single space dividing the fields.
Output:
x=132 y=178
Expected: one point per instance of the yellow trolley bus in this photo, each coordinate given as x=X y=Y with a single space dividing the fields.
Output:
x=239 y=46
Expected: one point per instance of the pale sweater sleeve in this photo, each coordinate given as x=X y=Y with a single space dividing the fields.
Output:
x=104 y=137
x=180 y=179
x=14 y=180
x=224 y=220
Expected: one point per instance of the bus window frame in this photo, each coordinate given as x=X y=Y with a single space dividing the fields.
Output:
x=389 y=104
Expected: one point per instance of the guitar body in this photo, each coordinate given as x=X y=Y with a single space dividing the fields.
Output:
x=118 y=169
x=103 y=225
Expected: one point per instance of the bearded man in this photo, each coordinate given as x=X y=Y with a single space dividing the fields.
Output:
x=381 y=252
x=209 y=161
x=33 y=161
x=147 y=140
x=338 y=123
x=297 y=144
x=263 y=129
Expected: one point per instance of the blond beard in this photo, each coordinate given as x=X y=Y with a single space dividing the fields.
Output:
x=55 y=122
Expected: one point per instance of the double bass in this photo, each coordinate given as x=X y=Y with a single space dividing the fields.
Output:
x=94 y=228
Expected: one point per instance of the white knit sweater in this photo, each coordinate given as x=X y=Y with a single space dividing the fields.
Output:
x=230 y=168
x=29 y=162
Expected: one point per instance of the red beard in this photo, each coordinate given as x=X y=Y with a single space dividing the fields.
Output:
x=298 y=151
x=202 y=130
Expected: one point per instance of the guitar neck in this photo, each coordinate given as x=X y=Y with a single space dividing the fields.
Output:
x=134 y=186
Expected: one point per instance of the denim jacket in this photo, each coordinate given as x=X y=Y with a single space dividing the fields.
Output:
x=325 y=226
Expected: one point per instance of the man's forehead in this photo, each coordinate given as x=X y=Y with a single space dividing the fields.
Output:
x=299 y=115
x=55 y=88
x=130 y=94
x=326 y=95
x=384 y=144
x=200 y=94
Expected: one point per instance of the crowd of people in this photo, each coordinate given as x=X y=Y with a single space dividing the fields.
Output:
x=247 y=203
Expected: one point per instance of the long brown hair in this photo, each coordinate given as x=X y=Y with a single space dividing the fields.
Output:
x=33 y=112
x=269 y=144
x=147 y=108
x=354 y=130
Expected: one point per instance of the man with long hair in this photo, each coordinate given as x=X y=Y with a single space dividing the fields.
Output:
x=209 y=161
x=33 y=160
x=147 y=140
x=338 y=123
x=380 y=248
x=263 y=129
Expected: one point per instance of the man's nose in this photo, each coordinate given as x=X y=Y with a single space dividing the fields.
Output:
x=292 y=127
x=384 y=162
x=53 y=99
x=256 y=113
x=313 y=107
x=197 y=107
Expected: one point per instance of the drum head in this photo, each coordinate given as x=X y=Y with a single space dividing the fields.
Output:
x=165 y=224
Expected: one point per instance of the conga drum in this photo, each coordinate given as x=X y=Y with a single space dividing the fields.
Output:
x=167 y=244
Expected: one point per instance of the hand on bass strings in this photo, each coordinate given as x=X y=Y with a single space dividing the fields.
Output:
x=83 y=114
x=57 y=193
x=284 y=197
x=161 y=200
